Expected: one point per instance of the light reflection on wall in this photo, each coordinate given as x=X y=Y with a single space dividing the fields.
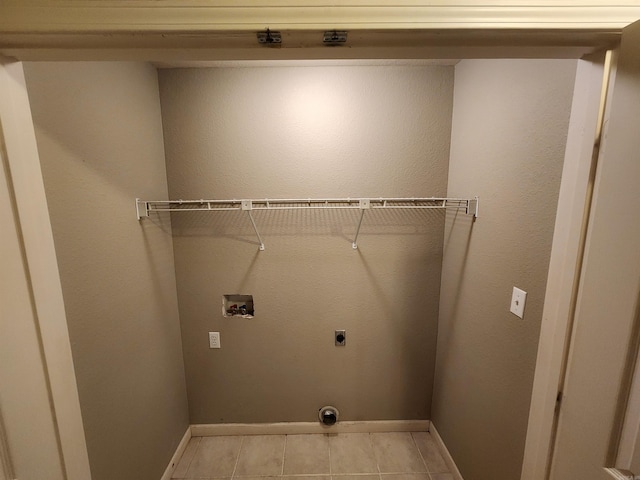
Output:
x=309 y=131
x=315 y=109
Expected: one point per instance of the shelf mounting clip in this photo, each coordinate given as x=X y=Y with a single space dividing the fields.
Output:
x=472 y=207
x=142 y=208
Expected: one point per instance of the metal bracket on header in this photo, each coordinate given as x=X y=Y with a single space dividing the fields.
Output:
x=269 y=38
x=334 y=37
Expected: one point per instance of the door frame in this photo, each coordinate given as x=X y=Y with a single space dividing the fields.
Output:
x=574 y=202
x=6 y=466
x=18 y=141
x=38 y=243
x=37 y=240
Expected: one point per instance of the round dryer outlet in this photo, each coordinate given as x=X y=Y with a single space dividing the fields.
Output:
x=328 y=415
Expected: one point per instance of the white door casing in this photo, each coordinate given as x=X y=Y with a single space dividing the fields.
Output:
x=562 y=266
x=597 y=376
x=38 y=391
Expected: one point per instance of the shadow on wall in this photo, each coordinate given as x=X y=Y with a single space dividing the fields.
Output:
x=287 y=223
x=458 y=232
x=456 y=224
x=156 y=259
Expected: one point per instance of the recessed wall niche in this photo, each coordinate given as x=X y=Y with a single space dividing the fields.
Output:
x=237 y=306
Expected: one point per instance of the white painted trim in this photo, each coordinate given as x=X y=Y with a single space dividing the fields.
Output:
x=620 y=474
x=218 y=30
x=6 y=465
x=444 y=451
x=52 y=48
x=37 y=238
x=110 y=16
x=293 y=428
x=173 y=463
x=630 y=435
x=563 y=267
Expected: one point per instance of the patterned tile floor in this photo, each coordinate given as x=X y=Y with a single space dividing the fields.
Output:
x=367 y=456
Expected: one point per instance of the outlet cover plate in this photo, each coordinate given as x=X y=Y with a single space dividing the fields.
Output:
x=214 y=339
x=518 y=299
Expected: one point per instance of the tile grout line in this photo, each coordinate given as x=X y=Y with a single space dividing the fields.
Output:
x=375 y=456
x=329 y=447
x=392 y=473
x=305 y=475
x=235 y=466
x=364 y=474
x=424 y=461
x=186 y=472
x=302 y=475
x=284 y=453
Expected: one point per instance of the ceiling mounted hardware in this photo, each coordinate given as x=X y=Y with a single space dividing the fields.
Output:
x=269 y=38
x=334 y=37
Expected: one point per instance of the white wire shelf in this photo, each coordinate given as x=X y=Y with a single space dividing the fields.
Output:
x=145 y=207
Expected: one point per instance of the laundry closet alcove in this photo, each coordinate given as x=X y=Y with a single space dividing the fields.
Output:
x=424 y=298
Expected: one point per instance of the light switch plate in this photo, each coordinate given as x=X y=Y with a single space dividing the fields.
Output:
x=518 y=299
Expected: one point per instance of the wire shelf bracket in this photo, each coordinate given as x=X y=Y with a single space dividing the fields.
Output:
x=144 y=208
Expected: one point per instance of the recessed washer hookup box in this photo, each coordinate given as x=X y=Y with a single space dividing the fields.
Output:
x=237 y=305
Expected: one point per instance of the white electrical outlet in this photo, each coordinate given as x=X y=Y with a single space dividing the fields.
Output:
x=518 y=300
x=214 y=339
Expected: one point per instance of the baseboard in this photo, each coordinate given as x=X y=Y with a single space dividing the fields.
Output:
x=177 y=455
x=448 y=459
x=293 y=428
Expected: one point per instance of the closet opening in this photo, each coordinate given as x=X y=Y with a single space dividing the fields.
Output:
x=425 y=296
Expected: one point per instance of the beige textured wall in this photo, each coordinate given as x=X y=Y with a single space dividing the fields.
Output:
x=99 y=135
x=308 y=132
x=510 y=122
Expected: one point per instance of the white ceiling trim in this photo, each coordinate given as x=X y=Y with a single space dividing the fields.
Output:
x=307 y=63
x=82 y=16
x=223 y=30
